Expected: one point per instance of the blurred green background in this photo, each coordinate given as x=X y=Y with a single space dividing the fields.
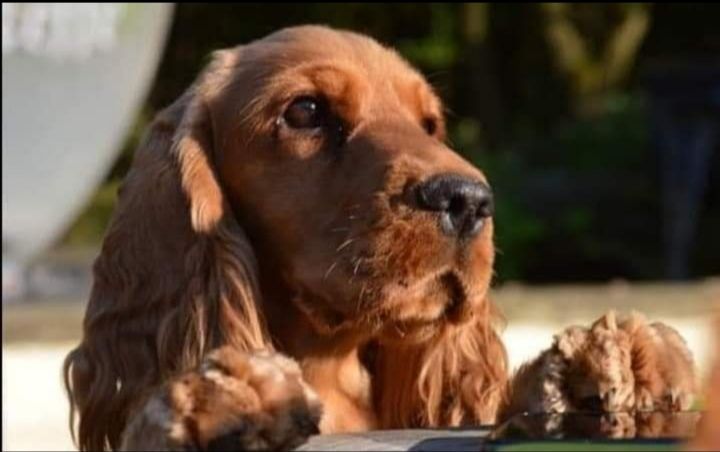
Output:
x=552 y=101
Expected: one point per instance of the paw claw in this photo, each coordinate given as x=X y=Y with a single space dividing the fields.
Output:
x=644 y=400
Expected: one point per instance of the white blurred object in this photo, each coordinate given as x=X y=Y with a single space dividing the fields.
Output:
x=13 y=281
x=60 y=30
x=73 y=78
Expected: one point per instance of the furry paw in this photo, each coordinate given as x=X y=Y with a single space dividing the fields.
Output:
x=628 y=365
x=234 y=401
x=599 y=373
x=612 y=367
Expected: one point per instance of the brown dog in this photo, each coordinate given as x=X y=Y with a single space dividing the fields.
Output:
x=298 y=198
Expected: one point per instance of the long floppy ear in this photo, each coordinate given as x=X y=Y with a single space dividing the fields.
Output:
x=176 y=276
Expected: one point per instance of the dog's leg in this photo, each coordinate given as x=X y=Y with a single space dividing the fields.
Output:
x=234 y=401
x=538 y=386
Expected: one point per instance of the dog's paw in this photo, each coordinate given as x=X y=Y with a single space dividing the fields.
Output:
x=598 y=374
x=234 y=401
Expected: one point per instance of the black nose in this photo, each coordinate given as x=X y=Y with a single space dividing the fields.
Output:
x=463 y=203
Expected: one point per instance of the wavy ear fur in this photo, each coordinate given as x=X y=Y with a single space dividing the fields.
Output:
x=176 y=276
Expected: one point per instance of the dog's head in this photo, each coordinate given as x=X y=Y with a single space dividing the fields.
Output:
x=306 y=170
x=330 y=150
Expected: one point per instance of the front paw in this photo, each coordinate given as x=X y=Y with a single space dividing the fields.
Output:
x=234 y=401
x=599 y=375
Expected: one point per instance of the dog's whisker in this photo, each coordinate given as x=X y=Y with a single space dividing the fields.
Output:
x=357 y=266
x=340 y=230
x=329 y=270
x=344 y=244
x=357 y=262
x=361 y=299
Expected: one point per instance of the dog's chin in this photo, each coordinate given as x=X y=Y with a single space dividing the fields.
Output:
x=402 y=312
x=447 y=303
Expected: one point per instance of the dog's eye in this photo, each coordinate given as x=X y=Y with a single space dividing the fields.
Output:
x=305 y=113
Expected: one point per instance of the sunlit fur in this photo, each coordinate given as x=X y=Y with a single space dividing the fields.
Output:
x=231 y=230
x=662 y=364
x=249 y=399
x=615 y=365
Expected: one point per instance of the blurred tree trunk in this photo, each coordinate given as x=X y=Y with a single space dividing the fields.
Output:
x=592 y=75
x=482 y=86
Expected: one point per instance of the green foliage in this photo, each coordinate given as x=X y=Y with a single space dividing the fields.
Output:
x=89 y=228
x=439 y=48
x=577 y=189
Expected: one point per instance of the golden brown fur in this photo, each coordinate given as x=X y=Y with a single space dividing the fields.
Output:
x=663 y=366
x=612 y=366
x=259 y=400
x=272 y=215
x=233 y=230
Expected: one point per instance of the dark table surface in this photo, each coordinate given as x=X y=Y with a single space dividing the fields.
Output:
x=410 y=439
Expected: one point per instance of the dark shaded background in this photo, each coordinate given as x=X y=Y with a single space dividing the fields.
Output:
x=586 y=189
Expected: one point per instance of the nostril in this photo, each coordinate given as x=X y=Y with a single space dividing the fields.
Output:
x=462 y=203
x=485 y=206
x=457 y=206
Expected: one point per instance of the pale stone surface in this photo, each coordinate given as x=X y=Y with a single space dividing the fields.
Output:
x=35 y=409
x=38 y=335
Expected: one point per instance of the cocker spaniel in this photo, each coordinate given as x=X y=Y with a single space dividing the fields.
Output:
x=295 y=249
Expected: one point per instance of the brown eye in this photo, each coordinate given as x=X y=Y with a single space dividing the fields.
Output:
x=305 y=113
x=430 y=125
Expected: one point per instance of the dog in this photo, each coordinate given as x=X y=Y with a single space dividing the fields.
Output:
x=294 y=249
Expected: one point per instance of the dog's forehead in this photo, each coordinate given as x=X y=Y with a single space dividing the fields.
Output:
x=318 y=41
x=319 y=45
x=348 y=67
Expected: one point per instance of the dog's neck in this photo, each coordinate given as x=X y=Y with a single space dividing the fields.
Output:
x=331 y=363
